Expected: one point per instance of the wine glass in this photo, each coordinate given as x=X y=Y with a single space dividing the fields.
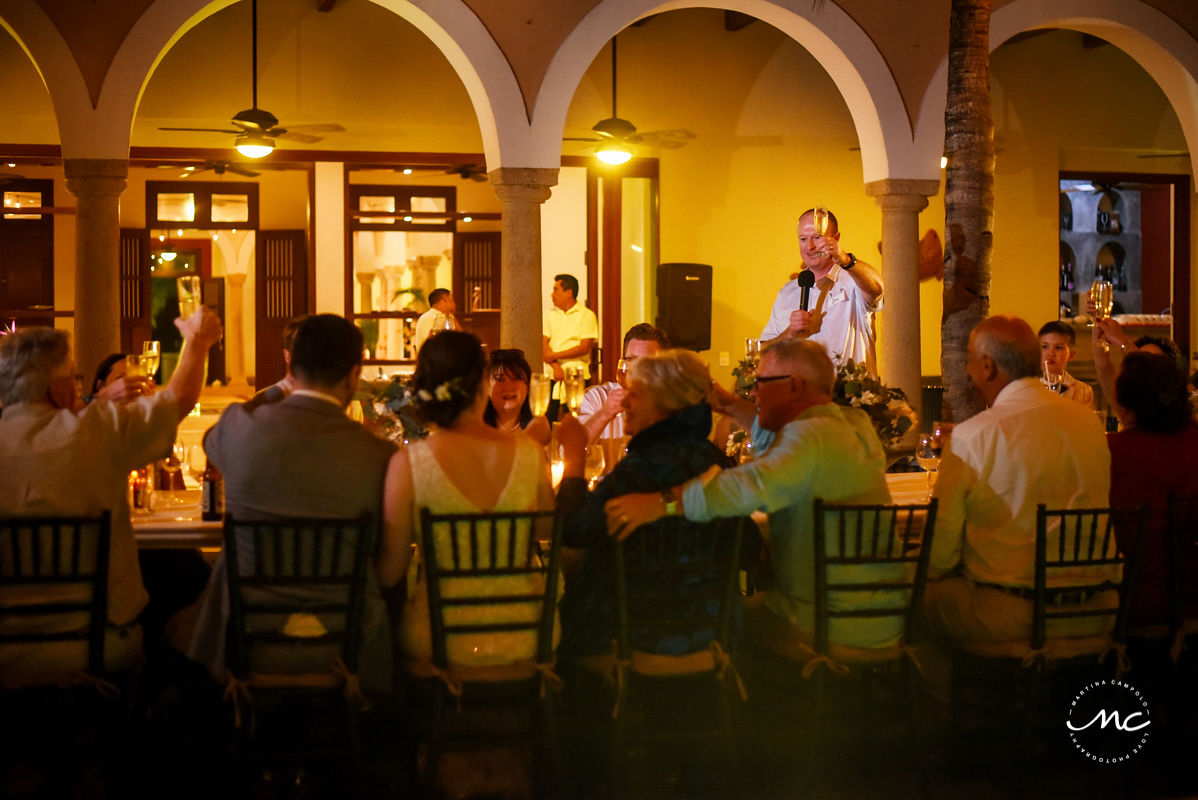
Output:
x=595 y=464
x=172 y=465
x=538 y=394
x=622 y=372
x=927 y=454
x=151 y=355
x=1053 y=376
x=196 y=462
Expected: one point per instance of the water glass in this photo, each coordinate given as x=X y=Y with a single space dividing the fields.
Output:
x=135 y=367
x=1053 y=376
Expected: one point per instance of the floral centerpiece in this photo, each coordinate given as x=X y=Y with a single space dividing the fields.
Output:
x=887 y=406
x=389 y=409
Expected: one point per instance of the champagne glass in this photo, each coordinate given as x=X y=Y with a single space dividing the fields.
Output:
x=135 y=367
x=538 y=394
x=188 y=287
x=594 y=465
x=151 y=355
x=822 y=224
x=622 y=372
x=927 y=454
x=575 y=386
x=1053 y=376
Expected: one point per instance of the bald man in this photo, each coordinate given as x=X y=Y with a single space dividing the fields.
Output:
x=1030 y=446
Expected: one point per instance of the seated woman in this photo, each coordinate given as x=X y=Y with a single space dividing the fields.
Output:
x=464 y=466
x=508 y=374
x=1154 y=455
x=111 y=383
x=668 y=418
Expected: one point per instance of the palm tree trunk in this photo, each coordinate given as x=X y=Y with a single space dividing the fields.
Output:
x=968 y=198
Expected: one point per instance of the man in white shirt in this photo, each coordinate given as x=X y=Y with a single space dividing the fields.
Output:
x=846 y=294
x=602 y=404
x=439 y=317
x=570 y=332
x=61 y=458
x=1030 y=446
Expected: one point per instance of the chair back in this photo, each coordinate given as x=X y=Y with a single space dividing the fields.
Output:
x=1076 y=550
x=675 y=581
x=55 y=570
x=299 y=583
x=467 y=556
x=880 y=552
x=1182 y=516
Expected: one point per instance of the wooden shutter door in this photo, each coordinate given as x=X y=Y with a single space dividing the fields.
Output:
x=281 y=293
x=134 y=288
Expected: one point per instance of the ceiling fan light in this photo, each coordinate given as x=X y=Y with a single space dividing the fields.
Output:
x=613 y=153
x=254 y=145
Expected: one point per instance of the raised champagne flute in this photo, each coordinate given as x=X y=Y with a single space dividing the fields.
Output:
x=822 y=222
x=151 y=356
x=927 y=455
x=1102 y=294
x=538 y=394
x=575 y=386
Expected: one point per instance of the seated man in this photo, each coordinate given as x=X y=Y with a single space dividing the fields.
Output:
x=603 y=403
x=301 y=457
x=62 y=458
x=1029 y=447
x=1056 y=351
x=809 y=447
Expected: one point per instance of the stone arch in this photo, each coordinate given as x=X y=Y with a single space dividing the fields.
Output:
x=865 y=81
x=103 y=130
x=1164 y=49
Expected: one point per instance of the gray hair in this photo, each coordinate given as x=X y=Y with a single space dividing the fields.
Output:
x=806 y=359
x=1010 y=343
x=675 y=378
x=27 y=360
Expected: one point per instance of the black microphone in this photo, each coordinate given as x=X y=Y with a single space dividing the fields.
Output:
x=806 y=281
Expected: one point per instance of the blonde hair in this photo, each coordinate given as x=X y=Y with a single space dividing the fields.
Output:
x=675 y=378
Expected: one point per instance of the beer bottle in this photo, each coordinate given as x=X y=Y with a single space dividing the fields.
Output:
x=212 y=494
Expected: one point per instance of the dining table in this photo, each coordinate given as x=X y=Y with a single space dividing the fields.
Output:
x=175 y=523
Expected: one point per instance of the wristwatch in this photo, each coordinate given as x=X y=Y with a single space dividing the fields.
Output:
x=851 y=263
x=671 y=502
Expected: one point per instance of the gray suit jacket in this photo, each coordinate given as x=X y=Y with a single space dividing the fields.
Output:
x=298 y=457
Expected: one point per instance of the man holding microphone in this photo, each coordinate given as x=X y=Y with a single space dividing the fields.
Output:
x=837 y=307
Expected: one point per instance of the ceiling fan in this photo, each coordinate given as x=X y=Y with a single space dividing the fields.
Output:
x=616 y=133
x=256 y=128
x=472 y=172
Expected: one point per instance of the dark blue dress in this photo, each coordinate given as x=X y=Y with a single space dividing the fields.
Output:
x=664 y=455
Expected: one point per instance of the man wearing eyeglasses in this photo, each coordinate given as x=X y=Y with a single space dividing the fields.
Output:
x=809 y=447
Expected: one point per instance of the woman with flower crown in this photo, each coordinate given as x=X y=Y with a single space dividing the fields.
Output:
x=464 y=466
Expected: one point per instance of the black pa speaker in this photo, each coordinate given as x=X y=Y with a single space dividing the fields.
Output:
x=684 y=304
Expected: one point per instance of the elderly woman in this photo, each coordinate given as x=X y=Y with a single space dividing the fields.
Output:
x=508 y=409
x=668 y=418
x=61 y=458
x=1154 y=455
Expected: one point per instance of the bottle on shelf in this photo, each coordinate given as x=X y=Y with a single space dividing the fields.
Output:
x=212 y=494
